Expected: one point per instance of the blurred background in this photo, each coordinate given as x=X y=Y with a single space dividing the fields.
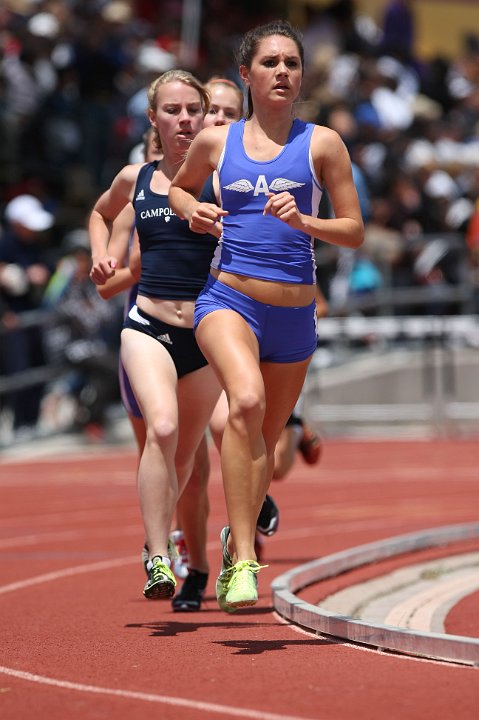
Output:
x=398 y=79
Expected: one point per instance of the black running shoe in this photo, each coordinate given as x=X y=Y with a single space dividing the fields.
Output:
x=191 y=594
x=258 y=546
x=268 y=519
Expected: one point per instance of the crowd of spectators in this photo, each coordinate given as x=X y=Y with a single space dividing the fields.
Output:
x=412 y=129
x=73 y=79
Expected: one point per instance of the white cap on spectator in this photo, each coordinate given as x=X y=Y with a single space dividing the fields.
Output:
x=28 y=211
x=441 y=185
x=151 y=58
x=459 y=212
x=44 y=24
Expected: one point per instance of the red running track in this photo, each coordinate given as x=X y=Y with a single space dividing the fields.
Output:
x=78 y=641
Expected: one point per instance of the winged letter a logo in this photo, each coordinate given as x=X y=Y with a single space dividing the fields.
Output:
x=280 y=184
x=243 y=186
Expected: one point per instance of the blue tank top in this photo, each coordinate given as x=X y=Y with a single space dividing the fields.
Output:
x=258 y=245
x=175 y=261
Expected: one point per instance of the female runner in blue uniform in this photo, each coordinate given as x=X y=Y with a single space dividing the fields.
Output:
x=255 y=319
x=173 y=384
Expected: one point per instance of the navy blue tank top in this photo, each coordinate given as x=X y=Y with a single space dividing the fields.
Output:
x=174 y=260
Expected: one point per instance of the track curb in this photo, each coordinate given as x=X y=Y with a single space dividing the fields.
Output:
x=438 y=646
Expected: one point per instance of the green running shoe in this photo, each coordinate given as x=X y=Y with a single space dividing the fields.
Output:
x=161 y=582
x=243 y=584
x=172 y=554
x=226 y=571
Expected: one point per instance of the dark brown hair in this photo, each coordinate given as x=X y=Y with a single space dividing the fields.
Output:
x=251 y=40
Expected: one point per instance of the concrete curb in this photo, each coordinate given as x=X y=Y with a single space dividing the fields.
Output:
x=439 y=646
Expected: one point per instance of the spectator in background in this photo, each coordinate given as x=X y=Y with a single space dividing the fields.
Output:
x=150 y=62
x=351 y=268
x=398 y=29
x=472 y=241
x=24 y=273
x=99 y=59
x=23 y=94
x=78 y=341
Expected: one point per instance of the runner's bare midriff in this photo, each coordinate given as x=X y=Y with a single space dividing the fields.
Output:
x=179 y=313
x=266 y=291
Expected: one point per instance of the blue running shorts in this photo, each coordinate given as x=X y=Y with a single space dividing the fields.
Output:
x=127 y=395
x=285 y=334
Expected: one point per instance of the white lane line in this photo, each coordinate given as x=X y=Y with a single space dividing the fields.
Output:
x=223 y=710
x=68 y=535
x=68 y=572
x=135 y=529
x=79 y=570
x=40 y=538
x=25 y=540
x=66 y=454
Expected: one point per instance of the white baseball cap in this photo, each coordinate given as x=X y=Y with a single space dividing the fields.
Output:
x=44 y=24
x=151 y=58
x=28 y=211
